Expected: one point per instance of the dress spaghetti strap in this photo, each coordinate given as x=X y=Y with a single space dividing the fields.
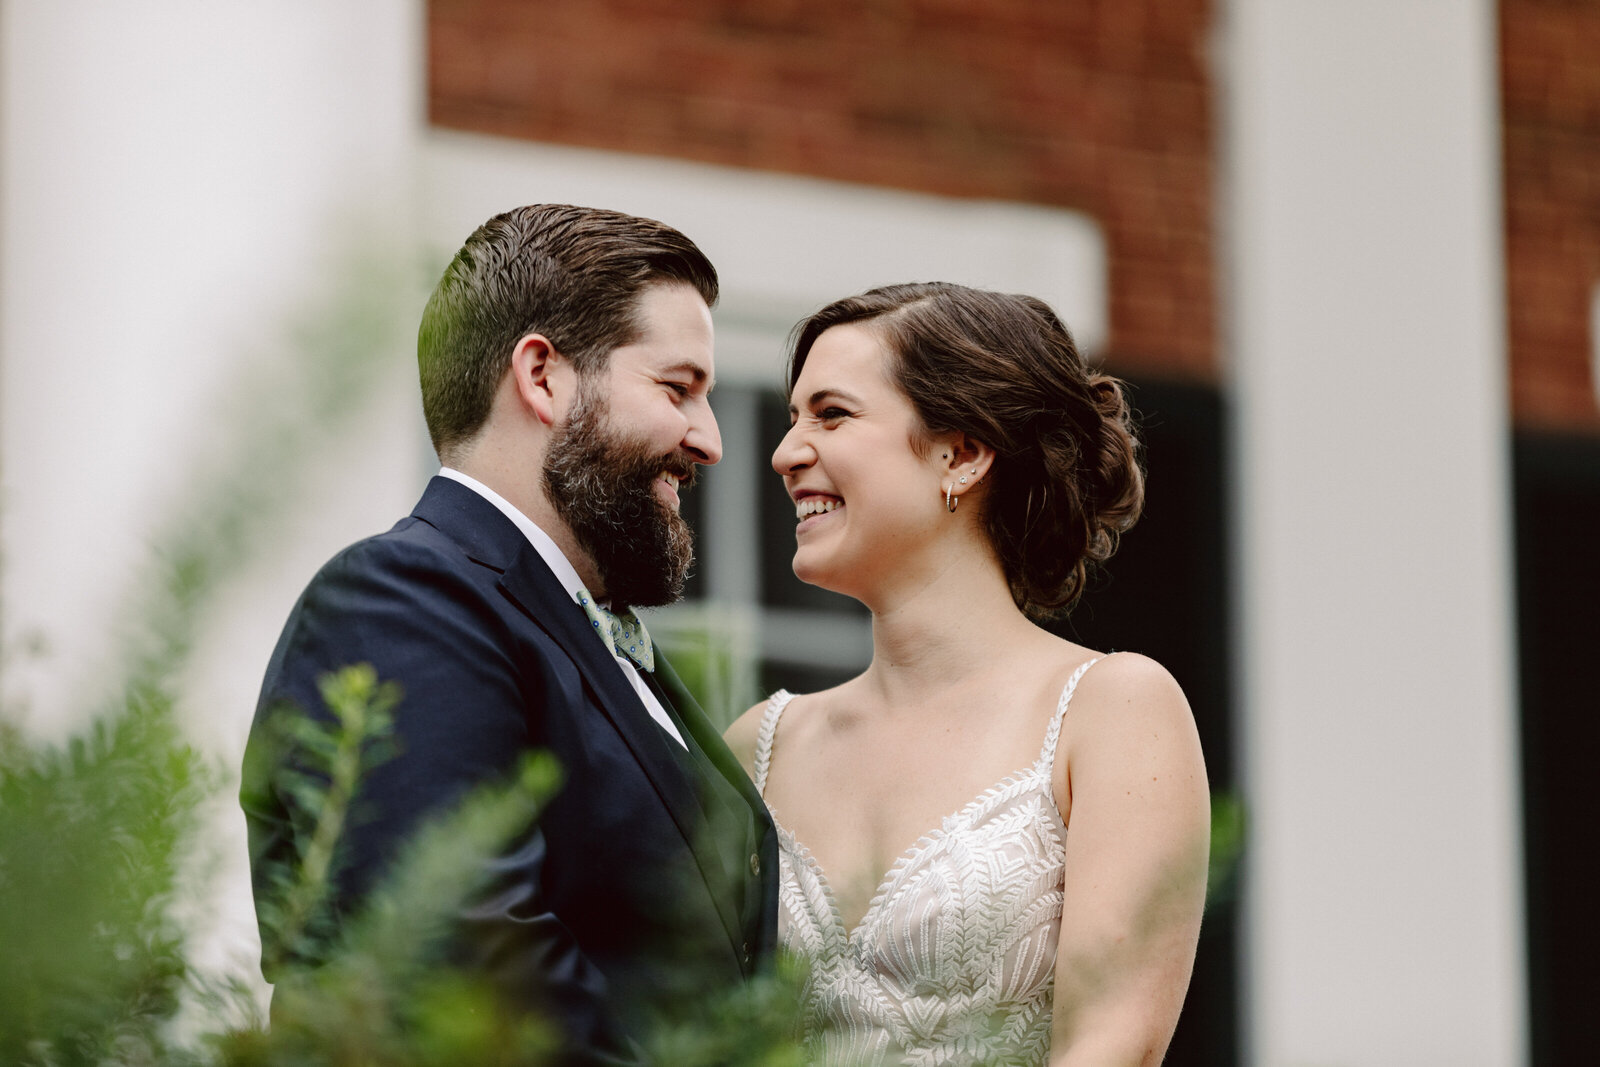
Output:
x=1047 y=757
x=769 y=728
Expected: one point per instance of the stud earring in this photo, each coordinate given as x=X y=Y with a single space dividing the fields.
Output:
x=963 y=479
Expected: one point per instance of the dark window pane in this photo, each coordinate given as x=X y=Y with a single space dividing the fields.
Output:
x=1557 y=493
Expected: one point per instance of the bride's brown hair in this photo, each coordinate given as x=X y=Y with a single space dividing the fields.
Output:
x=1001 y=368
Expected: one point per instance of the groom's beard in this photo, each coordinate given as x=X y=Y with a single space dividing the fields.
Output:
x=601 y=483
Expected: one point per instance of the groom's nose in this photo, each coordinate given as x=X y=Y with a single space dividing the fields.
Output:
x=703 y=440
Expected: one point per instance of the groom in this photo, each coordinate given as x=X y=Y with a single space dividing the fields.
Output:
x=566 y=366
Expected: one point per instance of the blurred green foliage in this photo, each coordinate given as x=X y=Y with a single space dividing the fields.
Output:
x=93 y=840
x=712 y=649
x=92 y=835
x=1228 y=829
x=373 y=989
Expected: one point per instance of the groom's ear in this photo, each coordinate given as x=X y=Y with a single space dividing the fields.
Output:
x=538 y=374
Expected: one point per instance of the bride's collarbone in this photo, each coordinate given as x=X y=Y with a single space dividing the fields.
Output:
x=1010 y=708
x=863 y=781
x=876 y=795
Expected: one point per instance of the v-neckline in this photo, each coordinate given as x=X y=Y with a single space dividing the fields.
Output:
x=888 y=883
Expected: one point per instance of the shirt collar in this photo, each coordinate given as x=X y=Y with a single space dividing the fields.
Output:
x=542 y=543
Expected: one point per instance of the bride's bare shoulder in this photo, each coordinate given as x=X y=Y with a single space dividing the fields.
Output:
x=805 y=712
x=741 y=735
x=1128 y=677
x=1129 y=707
x=1120 y=675
x=746 y=729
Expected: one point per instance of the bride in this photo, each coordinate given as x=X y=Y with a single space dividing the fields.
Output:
x=993 y=841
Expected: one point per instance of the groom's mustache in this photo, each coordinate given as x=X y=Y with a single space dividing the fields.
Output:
x=682 y=467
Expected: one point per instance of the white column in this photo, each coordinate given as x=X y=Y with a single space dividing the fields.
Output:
x=179 y=182
x=182 y=184
x=1366 y=356
x=1594 y=341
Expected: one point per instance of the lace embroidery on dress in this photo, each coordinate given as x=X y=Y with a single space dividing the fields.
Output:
x=954 y=960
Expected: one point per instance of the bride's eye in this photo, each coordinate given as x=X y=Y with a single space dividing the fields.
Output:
x=827 y=415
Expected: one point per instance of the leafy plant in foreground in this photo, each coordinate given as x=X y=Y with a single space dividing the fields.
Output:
x=92 y=834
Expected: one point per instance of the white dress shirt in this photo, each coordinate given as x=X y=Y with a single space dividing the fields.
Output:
x=567 y=575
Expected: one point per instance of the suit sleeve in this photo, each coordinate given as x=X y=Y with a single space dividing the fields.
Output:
x=471 y=705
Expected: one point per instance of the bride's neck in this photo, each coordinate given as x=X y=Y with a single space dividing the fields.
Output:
x=943 y=631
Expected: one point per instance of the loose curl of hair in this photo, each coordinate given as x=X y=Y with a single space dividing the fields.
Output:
x=1001 y=368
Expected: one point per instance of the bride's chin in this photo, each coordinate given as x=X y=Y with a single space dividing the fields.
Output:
x=823 y=574
x=808 y=569
x=805 y=573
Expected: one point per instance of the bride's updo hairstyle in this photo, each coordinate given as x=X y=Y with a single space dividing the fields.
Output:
x=1002 y=369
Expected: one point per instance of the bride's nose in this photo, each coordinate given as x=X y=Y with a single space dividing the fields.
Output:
x=793 y=453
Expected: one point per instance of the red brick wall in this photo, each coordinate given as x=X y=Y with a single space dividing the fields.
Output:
x=1550 y=70
x=1104 y=106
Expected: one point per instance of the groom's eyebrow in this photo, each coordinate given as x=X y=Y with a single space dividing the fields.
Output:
x=694 y=370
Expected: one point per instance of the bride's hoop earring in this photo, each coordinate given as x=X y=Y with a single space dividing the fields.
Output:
x=950 y=501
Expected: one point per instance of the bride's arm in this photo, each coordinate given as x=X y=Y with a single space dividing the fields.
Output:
x=1136 y=851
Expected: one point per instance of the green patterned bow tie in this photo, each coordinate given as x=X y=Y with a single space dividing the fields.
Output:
x=622 y=633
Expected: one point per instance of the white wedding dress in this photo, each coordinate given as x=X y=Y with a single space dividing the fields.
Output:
x=954 y=960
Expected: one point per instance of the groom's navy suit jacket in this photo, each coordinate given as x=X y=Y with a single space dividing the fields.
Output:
x=650 y=877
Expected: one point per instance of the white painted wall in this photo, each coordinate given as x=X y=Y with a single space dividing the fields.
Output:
x=784 y=245
x=1594 y=341
x=1367 y=361
x=179 y=179
x=179 y=185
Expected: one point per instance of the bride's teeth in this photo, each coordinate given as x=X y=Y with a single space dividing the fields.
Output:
x=813 y=505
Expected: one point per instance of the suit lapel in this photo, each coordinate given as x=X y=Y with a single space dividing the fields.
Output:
x=492 y=539
x=760 y=913
x=667 y=683
x=709 y=843
x=527 y=582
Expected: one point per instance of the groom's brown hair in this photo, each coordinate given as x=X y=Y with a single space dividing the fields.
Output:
x=571 y=273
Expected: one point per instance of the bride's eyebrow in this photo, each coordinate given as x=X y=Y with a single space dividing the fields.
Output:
x=822 y=395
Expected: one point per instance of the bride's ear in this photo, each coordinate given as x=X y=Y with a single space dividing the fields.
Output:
x=964 y=460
